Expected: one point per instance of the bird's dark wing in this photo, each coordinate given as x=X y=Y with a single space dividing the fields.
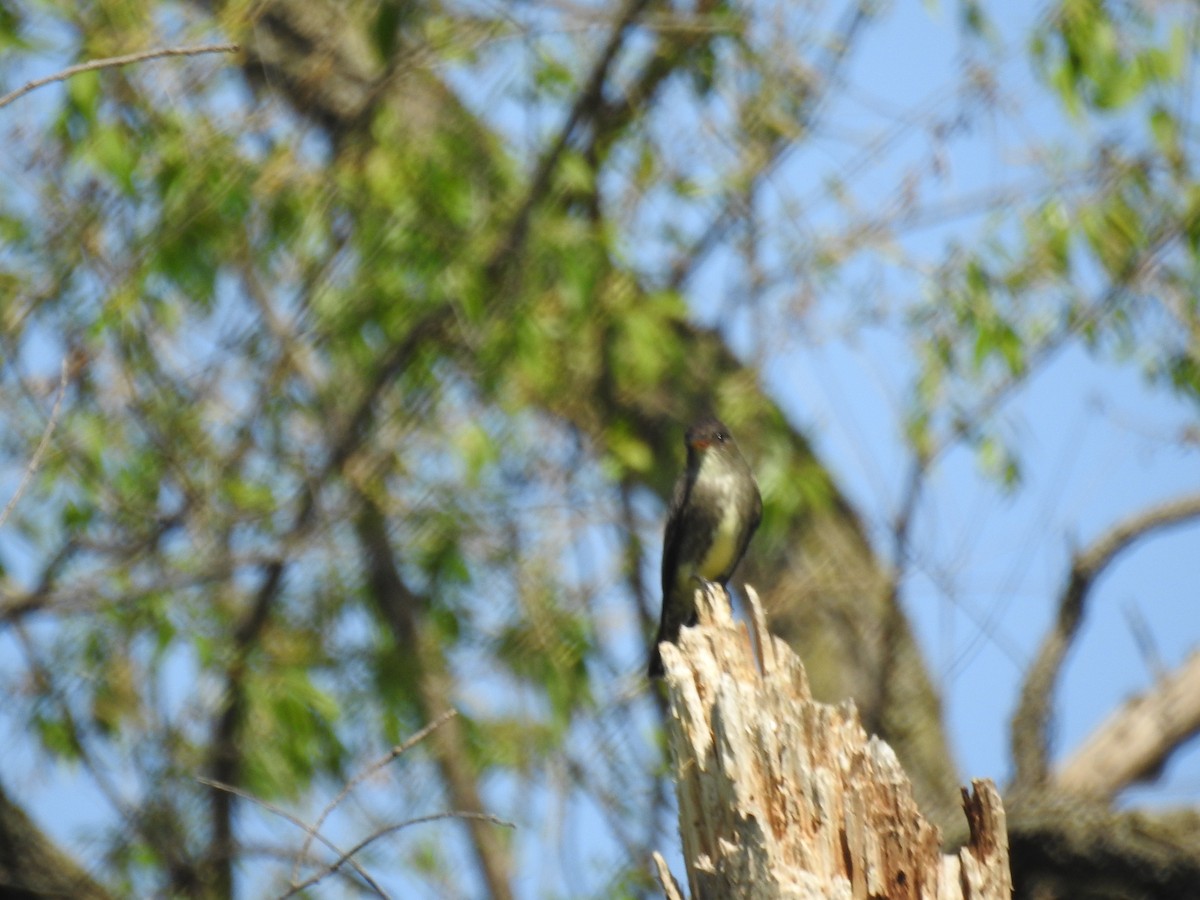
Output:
x=672 y=539
x=669 y=622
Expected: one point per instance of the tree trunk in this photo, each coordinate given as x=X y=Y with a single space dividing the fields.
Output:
x=781 y=796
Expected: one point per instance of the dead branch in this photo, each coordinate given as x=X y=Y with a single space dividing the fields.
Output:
x=313 y=831
x=1134 y=743
x=348 y=856
x=113 y=62
x=1031 y=722
x=386 y=759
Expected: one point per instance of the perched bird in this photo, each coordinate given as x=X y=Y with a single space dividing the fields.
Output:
x=715 y=509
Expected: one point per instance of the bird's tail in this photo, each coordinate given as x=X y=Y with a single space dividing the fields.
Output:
x=656 y=663
x=668 y=630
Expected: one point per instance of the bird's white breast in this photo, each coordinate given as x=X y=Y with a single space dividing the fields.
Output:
x=723 y=486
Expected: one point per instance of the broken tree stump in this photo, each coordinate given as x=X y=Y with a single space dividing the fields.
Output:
x=781 y=796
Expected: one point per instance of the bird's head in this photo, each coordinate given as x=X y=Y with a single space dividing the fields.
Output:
x=706 y=433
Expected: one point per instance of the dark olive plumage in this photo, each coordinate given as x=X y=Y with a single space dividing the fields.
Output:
x=715 y=509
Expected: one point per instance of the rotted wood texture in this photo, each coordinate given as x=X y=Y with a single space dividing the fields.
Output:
x=781 y=796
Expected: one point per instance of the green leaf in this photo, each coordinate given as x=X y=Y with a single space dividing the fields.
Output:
x=1183 y=371
x=1165 y=129
x=998 y=462
x=250 y=496
x=114 y=152
x=56 y=736
x=630 y=453
x=83 y=94
x=553 y=76
x=385 y=29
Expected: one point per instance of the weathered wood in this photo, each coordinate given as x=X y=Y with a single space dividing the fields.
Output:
x=781 y=796
x=1136 y=741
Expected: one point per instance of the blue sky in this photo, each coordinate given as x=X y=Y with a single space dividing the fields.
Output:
x=1096 y=442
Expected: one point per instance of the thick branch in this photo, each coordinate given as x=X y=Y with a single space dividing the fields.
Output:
x=32 y=866
x=225 y=753
x=1031 y=722
x=1136 y=741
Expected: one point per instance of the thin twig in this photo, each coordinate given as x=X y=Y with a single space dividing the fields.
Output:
x=113 y=62
x=36 y=459
x=1144 y=641
x=885 y=675
x=384 y=832
x=311 y=830
x=362 y=776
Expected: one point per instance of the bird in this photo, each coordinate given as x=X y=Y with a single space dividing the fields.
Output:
x=715 y=509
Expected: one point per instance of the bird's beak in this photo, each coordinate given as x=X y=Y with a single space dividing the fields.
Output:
x=700 y=444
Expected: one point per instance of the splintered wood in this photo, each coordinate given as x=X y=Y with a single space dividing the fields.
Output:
x=781 y=796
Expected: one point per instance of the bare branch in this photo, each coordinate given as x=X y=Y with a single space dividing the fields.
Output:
x=1102 y=552
x=1030 y=724
x=113 y=62
x=313 y=831
x=891 y=625
x=384 y=832
x=1140 y=632
x=587 y=104
x=400 y=609
x=362 y=776
x=36 y=459
x=1134 y=743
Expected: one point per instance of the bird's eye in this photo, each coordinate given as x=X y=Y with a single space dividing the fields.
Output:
x=721 y=436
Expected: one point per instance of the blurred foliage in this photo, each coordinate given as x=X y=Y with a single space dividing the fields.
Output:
x=269 y=325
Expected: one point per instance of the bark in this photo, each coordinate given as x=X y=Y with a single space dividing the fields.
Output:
x=1066 y=848
x=1136 y=741
x=32 y=867
x=782 y=796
